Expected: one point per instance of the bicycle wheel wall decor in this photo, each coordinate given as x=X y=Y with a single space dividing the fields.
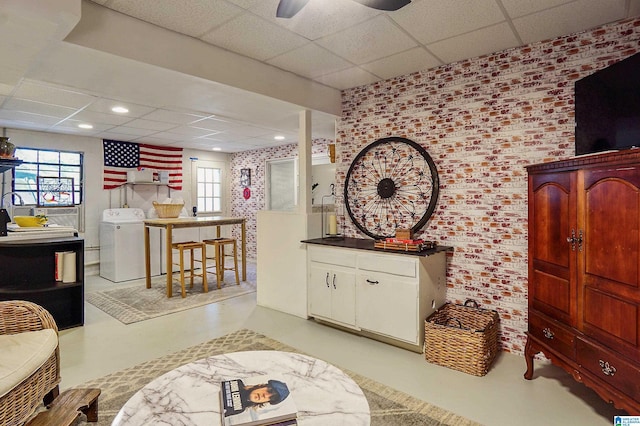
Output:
x=392 y=183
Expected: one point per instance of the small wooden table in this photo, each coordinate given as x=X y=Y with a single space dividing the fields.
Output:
x=191 y=222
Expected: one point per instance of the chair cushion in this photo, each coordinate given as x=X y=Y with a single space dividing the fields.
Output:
x=22 y=354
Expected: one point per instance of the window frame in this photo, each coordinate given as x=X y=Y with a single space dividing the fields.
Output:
x=78 y=183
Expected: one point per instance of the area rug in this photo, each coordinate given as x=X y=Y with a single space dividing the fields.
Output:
x=388 y=406
x=137 y=303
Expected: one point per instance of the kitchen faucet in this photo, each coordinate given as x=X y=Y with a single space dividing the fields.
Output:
x=10 y=193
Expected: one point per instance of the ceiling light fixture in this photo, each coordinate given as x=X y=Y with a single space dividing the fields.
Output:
x=85 y=126
x=120 y=109
x=216 y=149
x=279 y=138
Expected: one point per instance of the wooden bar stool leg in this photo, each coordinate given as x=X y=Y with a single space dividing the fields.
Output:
x=235 y=262
x=193 y=265
x=205 y=286
x=219 y=273
x=184 y=292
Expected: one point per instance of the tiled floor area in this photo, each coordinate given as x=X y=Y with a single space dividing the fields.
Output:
x=502 y=397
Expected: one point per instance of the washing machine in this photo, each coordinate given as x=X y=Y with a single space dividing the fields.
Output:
x=122 y=245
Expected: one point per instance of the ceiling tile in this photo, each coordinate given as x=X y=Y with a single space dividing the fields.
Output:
x=193 y=18
x=186 y=131
x=351 y=77
x=310 y=61
x=517 y=8
x=133 y=131
x=72 y=126
x=99 y=117
x=433 y=20
x=255 y=37
x=402 y=63
x=476 y=43
x=173 y=116
x=368 y=41
x=38 y=108
x=26 y=117
x=567 y=19
x=104 y=105
x=49 y=94
x=141 y=123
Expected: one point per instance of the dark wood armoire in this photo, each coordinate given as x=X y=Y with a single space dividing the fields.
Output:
x=584 y=272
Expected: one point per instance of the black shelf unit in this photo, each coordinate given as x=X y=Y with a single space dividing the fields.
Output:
x=6 y=164
x=27 y=272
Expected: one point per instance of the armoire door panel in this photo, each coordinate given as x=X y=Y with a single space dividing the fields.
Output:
x=613 y=316
x=551 y=225
x=553 y=292
x=611 y=239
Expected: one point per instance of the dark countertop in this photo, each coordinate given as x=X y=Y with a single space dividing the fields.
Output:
x=362 y=244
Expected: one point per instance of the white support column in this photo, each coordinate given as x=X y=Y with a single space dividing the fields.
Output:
x=304 y=162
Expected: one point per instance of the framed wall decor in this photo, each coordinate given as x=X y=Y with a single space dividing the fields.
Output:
x=245 y=177
x=55 y=191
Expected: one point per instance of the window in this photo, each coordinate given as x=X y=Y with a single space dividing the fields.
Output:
x=209 y=189
x=46 y=164
x=282 y=184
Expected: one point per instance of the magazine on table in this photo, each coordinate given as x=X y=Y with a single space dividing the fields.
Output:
x=257 y=401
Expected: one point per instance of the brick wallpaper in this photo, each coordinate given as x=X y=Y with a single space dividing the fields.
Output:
x=482 y=121
x=255 y=160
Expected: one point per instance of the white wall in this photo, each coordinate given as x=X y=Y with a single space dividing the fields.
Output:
x=96 y=199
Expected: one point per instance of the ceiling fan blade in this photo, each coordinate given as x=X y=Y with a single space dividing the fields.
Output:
x=388 y=5
x=288 y=8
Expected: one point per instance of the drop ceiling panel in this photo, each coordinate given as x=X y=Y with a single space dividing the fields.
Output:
x=567 y=19
x=104 y=105
x=476 y=43
x=99 y=117
x=406 y=62
x=517 y=8
x=368 y=41
x=50 y=94
x=173 y=116
x=33 y=107
x=433 y=20
x=193 y=18
x=254 y=37
x=351 y=77
x=310 y=61
x=141 y=123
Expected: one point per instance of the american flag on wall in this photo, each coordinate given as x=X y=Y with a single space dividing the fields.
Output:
x=121 y=157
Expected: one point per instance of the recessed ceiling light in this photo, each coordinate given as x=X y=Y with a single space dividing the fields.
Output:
x=120 y=109
x=216 y=149
x=85 y=126
x=279 y=138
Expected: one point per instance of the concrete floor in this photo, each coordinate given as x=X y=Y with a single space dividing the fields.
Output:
x=502 y=397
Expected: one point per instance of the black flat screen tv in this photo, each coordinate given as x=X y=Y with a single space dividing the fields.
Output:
x=607 y=108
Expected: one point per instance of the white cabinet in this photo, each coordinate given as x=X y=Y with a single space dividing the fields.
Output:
x=388 y=305
x=332 y=294
x=382 y=295
x=332 y=283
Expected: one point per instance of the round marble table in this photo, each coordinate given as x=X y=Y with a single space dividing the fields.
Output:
x=189 y=395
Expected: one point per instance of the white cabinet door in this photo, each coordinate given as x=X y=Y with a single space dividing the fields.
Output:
x=388 y=305
x=332 y=293
x=343 y=298
x=319 y=290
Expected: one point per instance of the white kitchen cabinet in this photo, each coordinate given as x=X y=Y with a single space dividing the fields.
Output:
x=332 y=283
x=383 y=295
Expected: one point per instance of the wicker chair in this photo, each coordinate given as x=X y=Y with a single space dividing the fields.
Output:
x=42 y=386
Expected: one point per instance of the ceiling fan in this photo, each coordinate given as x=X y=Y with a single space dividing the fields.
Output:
x=288 y=8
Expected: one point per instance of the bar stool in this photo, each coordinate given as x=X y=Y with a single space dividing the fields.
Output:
x=219 y=255
x=191 y=246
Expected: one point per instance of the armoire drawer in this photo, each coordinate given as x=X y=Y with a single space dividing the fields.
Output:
x=609 y=367
x=557 y=337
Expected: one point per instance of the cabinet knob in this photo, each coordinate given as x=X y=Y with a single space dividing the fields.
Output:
x=548 y=333
x=326 y=279
x=334 y=281
x=607 y=369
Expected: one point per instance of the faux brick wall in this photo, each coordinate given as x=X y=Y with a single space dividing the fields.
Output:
x=256 y=160
x=482 y=121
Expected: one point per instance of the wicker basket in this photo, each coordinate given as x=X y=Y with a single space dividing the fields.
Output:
x=462 y=337
x=166 y=211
